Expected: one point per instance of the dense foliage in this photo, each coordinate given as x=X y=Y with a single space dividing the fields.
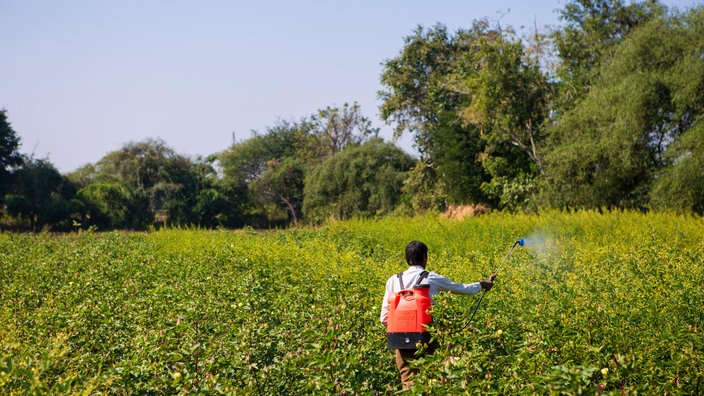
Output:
x=603 y=112
x=611 y=148
x=366 y=179
x=593 y=304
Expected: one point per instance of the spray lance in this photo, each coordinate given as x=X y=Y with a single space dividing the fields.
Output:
x=520 y=242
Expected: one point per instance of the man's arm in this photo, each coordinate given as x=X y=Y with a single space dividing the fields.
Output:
x=445 y=284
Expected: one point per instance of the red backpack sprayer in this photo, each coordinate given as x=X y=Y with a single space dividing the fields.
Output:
x=409 y=311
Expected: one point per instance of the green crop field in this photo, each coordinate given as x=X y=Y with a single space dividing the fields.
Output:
x=593 y=304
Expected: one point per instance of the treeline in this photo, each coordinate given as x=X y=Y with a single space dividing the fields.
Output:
x=331 y=164
x=602 y=112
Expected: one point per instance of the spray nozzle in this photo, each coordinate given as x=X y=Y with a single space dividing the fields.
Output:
x=521 y=242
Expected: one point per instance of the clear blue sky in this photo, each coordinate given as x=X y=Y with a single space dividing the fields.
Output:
x=82 y=78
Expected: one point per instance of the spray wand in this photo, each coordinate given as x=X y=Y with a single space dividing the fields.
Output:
x=520 y=242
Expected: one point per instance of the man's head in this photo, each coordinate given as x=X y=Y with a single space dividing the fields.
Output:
x=416 y=253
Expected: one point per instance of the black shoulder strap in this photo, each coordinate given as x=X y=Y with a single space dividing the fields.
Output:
x=422 y=276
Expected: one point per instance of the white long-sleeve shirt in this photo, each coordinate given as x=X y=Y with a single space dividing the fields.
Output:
x=437 y=284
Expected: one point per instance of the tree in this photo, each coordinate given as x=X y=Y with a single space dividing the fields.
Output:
x=269 y=168
x=160 y=184
x=476 y=103
x=679 y=184
x=458 y=148
x=608 y=149
x=415 y=88
x=337 y=128
x=9 y=156
x=592 y=30
x=422 y=97
x=507 y=101
x=422 y=190
x=364 y=180
x=210 y=204
x=245 y=162
x=507 y=94
x=282 y=183
x=40 y=195
x=108 y=204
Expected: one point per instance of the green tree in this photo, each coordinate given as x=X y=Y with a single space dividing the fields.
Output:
x=458 y=149
x=245 y=162
x=108 y=204
x=508 y=98
x=679 y=184
x=608 y=149
x=415 y=90
x=592 y=30
x=160 y=183
x=9 y=156
x=422 y=190
x=211 y=206
x=40 y=195
x=335 y=128
x=282 y=184
x=364 y=180
x=476 y=103
x=269 y=169
x=422 y=97
x=507 y=94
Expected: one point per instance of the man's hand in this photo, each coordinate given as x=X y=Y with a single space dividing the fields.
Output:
x=487 y=284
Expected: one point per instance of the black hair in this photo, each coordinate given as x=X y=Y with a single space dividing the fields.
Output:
x=416 y=253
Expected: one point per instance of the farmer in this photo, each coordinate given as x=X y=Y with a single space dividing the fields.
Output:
x=417 y=258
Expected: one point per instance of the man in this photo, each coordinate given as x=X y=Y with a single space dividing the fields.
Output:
x=417 y=258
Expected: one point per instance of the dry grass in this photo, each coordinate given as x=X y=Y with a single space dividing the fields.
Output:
x=463 y=211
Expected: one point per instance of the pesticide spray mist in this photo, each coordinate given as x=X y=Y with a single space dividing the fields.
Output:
x=546 y=257
x=541 y=245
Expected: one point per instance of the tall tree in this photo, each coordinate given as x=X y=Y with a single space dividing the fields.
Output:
x=421 y=97
x=476 y=103
x=415 y=89
x=679 y=184
x=609 y=147
x=108 y=203
x=457 y=159
x=592 y=29
x=9 y=155
x=245 y=161
x=507 y=93
x=269 y=168
x=211 y=206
